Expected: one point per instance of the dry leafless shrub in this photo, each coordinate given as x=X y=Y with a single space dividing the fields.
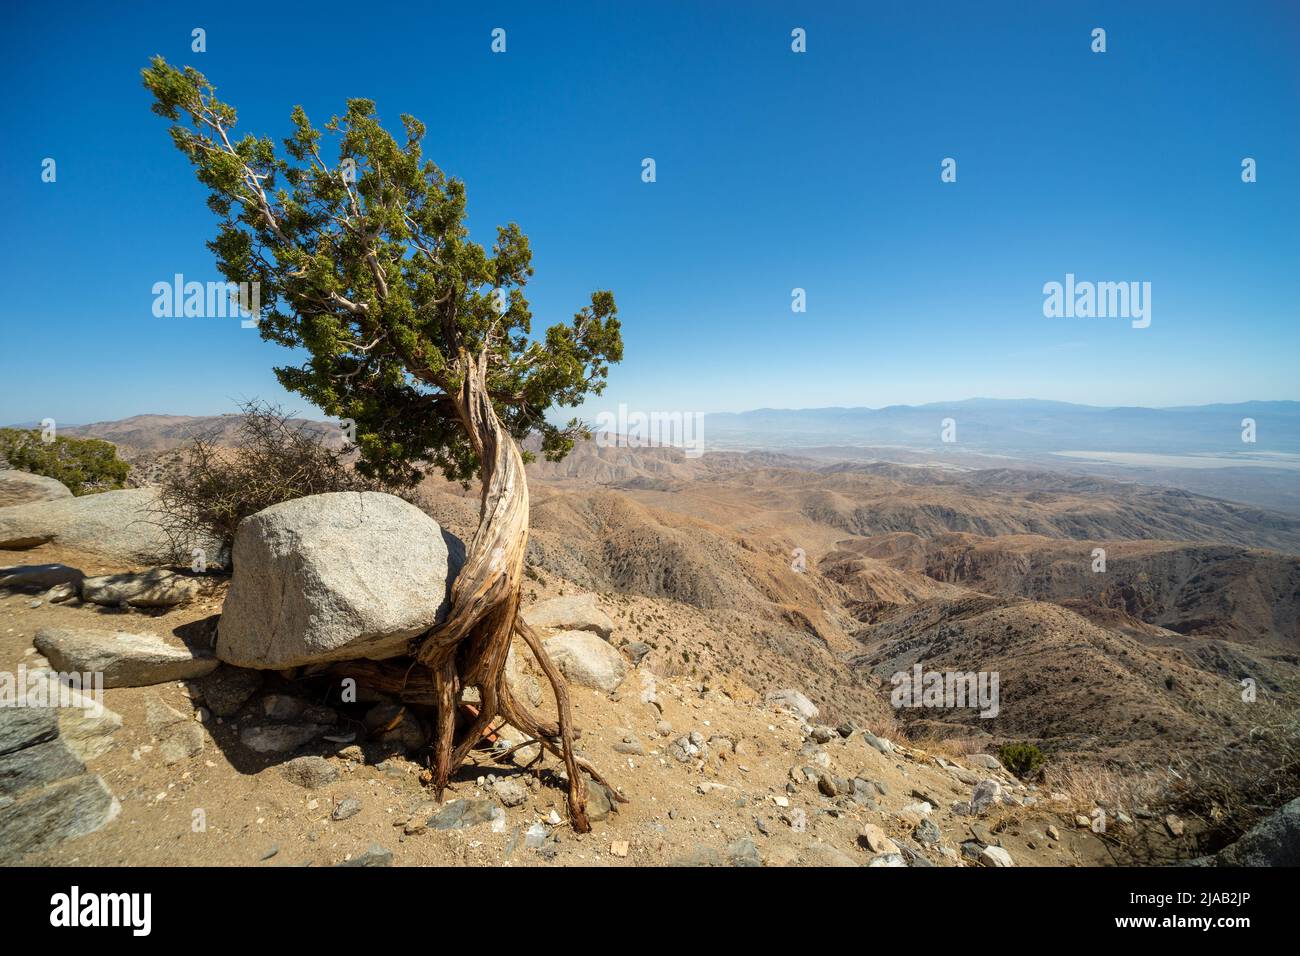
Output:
x=1252 y=775
x=210 y=487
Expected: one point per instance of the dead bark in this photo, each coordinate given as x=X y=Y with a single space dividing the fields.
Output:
x=469 y=649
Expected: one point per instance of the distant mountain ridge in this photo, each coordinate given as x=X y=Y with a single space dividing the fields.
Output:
x=1021 y=425
x=987 y=424
x=158 y=433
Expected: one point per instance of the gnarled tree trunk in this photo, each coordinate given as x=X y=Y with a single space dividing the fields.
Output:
x=469 y=649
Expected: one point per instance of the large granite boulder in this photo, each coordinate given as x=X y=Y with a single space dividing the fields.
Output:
x=337 y=576
x=574 y=612
x=124 y=525
x=21 y=487
x=1274 y=841
x=584 y=658
x=157 y=587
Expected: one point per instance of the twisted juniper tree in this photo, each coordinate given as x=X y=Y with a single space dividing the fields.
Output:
x=421 y=337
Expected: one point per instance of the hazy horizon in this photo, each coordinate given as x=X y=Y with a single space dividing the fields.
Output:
x=290 y=402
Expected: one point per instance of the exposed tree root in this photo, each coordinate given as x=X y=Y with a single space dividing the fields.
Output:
x=470 y=648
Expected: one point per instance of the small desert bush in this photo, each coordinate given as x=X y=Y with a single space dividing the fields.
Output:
x=84 y=465
x=209 y=487
x=1024 y=760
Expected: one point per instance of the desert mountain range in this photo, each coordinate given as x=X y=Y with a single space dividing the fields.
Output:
x=974 y=568
x=742 y=573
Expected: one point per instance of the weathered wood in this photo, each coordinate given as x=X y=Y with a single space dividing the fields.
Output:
x=469 y=649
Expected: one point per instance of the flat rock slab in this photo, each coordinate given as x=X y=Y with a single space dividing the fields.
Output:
x=376 y=855
x=279 y=738
x=124 y=525
x=21 y=487
x=36 y=766
x=125 y=660
x=156 y=588
x=45 y=794
x=337 y=576
x=80 y=721
x=25 y=727
x=179 y=735
x=576 y=612
x=38 y=577
x=585 y=658
x=45 y=816
x=464 y=814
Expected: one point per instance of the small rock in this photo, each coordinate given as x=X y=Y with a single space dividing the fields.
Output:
x=636 y=651
x=348 y=807
x=599 y=802
x=986 y=793
x=793 y=701
x=926 y=832
x=577 y=612
x=509 y=791
x=877 y=743
x=584 y=658
x=743 y=852
x=688 y=747
x=874 y=839
x=395 y=724
x=375 y=856
x=535 y=836
x=228 y=688
x=466 y=814
x=310 y=772
x=282 y=706
x=699 y=855
x=279 y=738
x=826 y=784
x=995 y=856
x=61 y=593
x=179 y=737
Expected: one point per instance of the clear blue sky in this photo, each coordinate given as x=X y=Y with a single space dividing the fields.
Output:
x=775 y=170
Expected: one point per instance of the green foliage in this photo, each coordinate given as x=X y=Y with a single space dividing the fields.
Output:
x=85 y=465
x=1024 y=760
x=365 y=263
